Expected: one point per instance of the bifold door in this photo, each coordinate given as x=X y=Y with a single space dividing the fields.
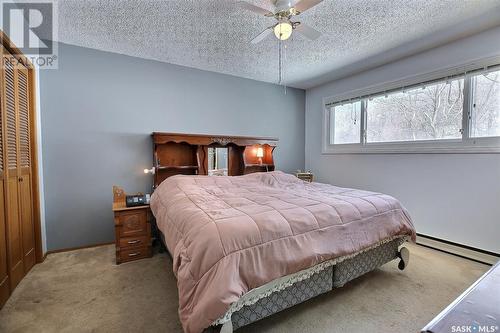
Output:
x=18 y=225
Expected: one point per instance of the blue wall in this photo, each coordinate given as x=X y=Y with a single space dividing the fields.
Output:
x=99 y=109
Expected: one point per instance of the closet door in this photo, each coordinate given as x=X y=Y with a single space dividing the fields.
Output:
x=4 y=276
x=24 y=169
x=15 y=253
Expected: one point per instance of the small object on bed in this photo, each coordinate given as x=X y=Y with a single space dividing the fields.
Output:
x=305 y=176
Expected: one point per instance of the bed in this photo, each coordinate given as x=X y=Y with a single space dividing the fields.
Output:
x=245 y=247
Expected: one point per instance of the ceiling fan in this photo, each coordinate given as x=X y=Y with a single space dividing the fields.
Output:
x=285 y=11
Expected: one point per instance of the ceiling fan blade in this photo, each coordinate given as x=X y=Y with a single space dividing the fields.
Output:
x=304 y=5
x=253 y=8
x=260 y=37
x=307 y=31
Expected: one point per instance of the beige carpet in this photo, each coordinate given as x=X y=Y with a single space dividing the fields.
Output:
x=84 y=291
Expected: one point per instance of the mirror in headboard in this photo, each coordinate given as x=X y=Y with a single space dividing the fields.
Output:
x=217 y=161
x=193 y=154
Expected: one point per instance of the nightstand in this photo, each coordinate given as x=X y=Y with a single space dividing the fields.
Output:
x=132 y=229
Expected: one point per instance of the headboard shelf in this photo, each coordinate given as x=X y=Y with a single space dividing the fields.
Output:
x=258 y=165
x=166 y=167
x=176 y=153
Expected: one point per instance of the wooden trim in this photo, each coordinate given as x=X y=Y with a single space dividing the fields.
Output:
x=14 y=50
x=77 y=248
x=9 y=46
x=35 y=185
x=216 y=135
x=117 y=207
x=3 y=125
x=208 y=139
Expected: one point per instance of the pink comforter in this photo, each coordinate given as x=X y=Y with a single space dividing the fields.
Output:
x=229 y=235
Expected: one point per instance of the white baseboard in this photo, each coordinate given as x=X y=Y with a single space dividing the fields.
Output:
x=466 y=252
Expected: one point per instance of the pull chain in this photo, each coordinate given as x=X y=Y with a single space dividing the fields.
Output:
x=284 y=71
x=279 y=61
x=282 y=54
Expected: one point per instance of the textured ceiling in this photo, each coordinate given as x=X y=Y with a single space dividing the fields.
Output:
x=214 y=35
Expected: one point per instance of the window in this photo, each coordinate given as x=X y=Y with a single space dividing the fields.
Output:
x=345 y=123
x=486 y=105
x=429 y=113
x=457 y=113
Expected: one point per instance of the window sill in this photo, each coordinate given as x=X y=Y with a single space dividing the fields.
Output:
x=410 y=149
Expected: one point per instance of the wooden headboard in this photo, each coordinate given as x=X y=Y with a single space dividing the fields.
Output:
x=187 y=154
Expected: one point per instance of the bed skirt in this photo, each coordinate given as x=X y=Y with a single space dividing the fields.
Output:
x=318 y=283
x=321 y=279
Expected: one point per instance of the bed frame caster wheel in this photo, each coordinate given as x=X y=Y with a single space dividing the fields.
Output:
x=227 y=327
x=404 y=255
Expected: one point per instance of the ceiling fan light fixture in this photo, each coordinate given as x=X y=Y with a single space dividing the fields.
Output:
x=283 y=30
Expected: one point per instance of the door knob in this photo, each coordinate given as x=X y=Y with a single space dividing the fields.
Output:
x=20 y=179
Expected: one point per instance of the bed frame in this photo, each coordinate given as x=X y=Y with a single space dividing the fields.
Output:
x=296 y=290
x=187 y=154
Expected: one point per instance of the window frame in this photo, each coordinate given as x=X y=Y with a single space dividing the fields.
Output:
x=361 y=124
x=466 y=144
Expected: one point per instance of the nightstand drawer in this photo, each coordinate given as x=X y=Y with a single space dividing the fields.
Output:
x=138 y=241
x=134 y=223
x=134 y=254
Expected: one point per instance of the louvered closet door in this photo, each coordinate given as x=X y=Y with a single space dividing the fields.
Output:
x=14 y=229
x=4 y=276
x=24 y=167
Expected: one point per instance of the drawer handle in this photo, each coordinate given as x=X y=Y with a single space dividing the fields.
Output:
x=134 y=241
x=134 y=254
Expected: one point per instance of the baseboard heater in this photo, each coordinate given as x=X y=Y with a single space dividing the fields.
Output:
x=460 y=250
